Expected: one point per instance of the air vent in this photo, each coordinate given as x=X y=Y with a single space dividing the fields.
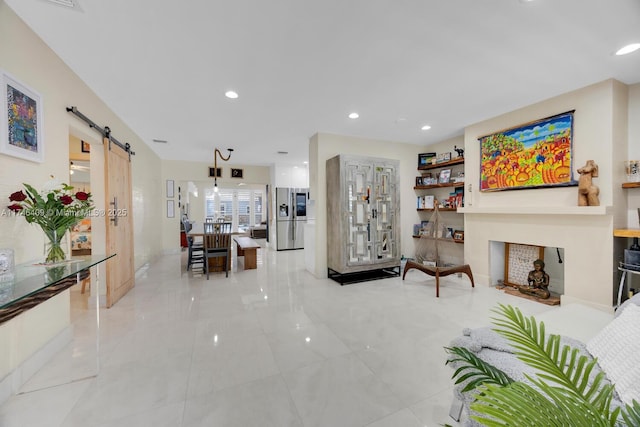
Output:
x=160 y=141
x=283 y=152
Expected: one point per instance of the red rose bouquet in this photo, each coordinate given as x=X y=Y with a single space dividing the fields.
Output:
x=56 y=209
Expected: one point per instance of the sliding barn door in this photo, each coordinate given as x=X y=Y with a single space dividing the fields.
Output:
x=120 y=269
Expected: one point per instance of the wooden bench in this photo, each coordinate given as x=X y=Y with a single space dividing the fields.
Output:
x=439 y=272
x=248 y=248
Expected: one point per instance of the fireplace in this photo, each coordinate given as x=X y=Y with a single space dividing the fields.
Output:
x=583 y=238
x=510 y=262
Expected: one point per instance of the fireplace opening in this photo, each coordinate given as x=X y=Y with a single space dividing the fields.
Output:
x=511 y=262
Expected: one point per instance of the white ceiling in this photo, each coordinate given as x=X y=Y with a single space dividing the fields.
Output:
x=300 y=66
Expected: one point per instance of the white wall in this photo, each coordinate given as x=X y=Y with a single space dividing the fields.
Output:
x=323 y=146
x=31 y=62
x=198 y=173
x=526 y=216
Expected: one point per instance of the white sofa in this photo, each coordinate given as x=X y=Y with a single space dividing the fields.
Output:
x=616 y=345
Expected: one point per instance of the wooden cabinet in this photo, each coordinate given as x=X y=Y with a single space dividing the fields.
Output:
x=363 y=214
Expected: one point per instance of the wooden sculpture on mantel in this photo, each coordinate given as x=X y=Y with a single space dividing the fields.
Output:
x=587 y=191
x=428 y=255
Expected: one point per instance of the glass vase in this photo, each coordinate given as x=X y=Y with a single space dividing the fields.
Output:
x=54 y=246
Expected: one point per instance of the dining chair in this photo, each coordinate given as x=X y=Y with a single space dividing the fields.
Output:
x=196 y=249
x=217 y=244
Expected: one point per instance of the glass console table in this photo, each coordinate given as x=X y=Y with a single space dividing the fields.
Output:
x=35 y=283
x=74 y=357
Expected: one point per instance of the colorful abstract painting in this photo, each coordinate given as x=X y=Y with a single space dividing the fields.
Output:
x=21 y=134
x=537 y=154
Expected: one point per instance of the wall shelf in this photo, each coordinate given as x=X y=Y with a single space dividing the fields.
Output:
x=626 y=232
x=456 y=161
x=449 y=184
x=538 y=210
x=440 y=209
x=631 y=185
x=441 y=239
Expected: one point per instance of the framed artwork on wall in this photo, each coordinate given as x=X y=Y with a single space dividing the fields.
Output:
x=170 y=209
x=532 y=155
x=215 y=172
x=236 y=173
x=85 y=147
x=21 y=122
x=170 y=188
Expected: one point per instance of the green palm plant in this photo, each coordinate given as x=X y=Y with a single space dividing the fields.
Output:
x=563 y=393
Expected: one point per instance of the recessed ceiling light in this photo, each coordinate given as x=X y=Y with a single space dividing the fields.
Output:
x=354 y=115
x=306 y=163
x=425 y=127
x=231 y=94
x=628 y=49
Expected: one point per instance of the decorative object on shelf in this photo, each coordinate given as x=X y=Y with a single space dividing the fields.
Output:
x=217 y=153
x=55 y=209
x=427 y=249
x=632 y=169
x=443 y=157
x=445 y=176
x=236 y=173
x=425 y=159
x=533 y=155
x=459 y=151
x=21 y=121
x=458 y=235
x=7 y=265
x=85 y=147
x=418 y=181
x=587 y=191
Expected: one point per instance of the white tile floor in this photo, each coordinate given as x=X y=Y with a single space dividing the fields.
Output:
x=267 y=347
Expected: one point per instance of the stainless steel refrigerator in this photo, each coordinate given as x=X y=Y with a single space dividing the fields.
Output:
x=291 y=216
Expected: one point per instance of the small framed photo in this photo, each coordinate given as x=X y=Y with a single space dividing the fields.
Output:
x=21 y=122
x=458 y=235
x=459 y=178
x=425 y=159
x=236 y=173
x=85 y=147
x=445 y=176
x=170 y=209
x=170 y=187
x=215 y=173
x=418 y=181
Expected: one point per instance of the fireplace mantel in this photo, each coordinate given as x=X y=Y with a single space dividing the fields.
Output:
x=538 y=210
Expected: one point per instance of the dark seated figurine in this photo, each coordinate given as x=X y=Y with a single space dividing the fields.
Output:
x=538 y=282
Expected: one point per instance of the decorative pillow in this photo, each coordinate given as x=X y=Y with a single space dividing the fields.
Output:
x=617 y=348
x=633 y=300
